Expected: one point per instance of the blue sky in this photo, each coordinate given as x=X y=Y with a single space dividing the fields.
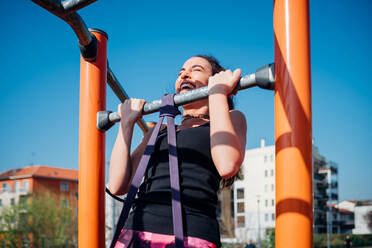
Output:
x=148 y=43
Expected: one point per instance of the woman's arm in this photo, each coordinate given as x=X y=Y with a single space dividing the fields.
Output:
x=122 y=164
x=228 y=128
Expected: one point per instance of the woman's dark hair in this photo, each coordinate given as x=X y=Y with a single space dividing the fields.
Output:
x=216 y=68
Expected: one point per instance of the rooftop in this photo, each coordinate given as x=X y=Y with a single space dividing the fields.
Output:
x=40 y=171
x=345 y=211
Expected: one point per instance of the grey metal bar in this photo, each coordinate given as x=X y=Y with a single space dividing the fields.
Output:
x=187 y=97
x=264 y=78
x=81 y=30
x=113 y=82
x=66 y=11
x=119 y=91
x=53 y=6
x=74 y=5
x=74 y=20
x=63 y=8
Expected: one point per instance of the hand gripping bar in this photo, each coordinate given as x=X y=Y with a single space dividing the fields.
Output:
x=263 y=78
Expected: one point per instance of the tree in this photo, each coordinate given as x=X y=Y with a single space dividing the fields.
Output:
x=226 y=221
x=39 y=222
x=269 y=241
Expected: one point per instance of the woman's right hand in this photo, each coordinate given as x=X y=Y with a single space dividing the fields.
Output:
x=130 y=111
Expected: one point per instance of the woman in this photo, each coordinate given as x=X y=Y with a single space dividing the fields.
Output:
x=210 y=147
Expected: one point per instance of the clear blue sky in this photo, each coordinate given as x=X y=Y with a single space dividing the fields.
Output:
x=150 y=40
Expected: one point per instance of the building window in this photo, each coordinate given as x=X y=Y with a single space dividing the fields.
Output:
x=64 y=203
x=266 y=217
x=241 y=221
x=266 y=173
x=272 y=172
x=266 y=203
x=272 y=187
x=240 y=193
x=273 y=217
x=17 y=186
x=272 y=202
x=240 y=207
x=240 y=175
x=1 y=202
x=265 y=158
x=5 y=187
x=26 y=185
x=64 y=186
x=12 y=201
x=272 y=158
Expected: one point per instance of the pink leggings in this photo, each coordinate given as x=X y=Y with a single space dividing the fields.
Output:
x=134 y=239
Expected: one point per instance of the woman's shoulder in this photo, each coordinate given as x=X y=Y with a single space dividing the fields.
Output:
x=237 y=115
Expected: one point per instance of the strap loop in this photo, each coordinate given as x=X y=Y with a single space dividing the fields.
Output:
x=167 y=107
x=170 y=112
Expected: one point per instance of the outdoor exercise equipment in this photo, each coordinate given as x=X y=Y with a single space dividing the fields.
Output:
x=263 y=78
x=293 y=130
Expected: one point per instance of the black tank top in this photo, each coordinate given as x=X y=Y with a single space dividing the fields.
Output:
x=199 y=183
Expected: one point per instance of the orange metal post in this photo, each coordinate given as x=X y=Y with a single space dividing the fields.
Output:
x=92 y=148
x=293 y=132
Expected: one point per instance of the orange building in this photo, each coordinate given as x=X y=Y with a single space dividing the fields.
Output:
x=17 y=184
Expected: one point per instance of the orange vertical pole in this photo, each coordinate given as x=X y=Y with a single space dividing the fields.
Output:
x=92 y=148
x=293 y=131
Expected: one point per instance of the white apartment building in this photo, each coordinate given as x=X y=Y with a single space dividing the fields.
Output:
x=361 y=222
x=254 y=195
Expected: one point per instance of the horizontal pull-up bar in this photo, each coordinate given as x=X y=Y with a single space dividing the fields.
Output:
x=263 y=78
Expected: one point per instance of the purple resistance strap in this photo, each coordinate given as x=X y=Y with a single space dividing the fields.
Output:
x=167 y=109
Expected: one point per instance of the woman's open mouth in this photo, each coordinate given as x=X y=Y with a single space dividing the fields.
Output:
x=187 y=86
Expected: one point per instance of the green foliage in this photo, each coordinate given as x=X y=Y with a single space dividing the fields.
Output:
x=234 y=245
x=319 y=241
x=38 y=222
x=361 y=240
x=338 y=240
x=269 y=240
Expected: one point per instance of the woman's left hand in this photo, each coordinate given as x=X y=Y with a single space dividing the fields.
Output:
x=224 y=82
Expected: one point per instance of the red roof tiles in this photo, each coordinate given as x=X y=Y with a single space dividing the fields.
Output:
x=40 y=171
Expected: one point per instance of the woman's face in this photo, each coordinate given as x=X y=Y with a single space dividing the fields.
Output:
x=193 y=74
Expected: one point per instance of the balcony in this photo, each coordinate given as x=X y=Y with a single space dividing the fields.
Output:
x=321 y=185
x=319 y=177
x=320 y=207
x=19 y=191
x=320 y=195
x=320 y=221
x=330 y=166
x=333 y=166
x=334 y=196
x=332 y=185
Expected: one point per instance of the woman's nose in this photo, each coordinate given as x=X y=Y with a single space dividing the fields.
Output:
x=185 y=74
